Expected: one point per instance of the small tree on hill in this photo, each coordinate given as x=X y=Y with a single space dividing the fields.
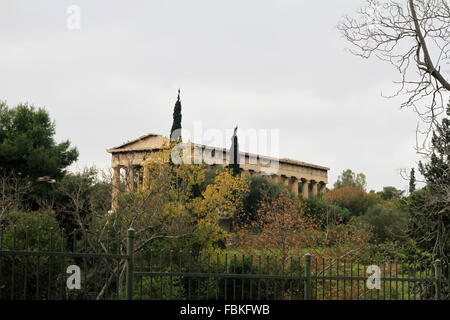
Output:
x=412 y=182
x=234 y=154
x=348 y=178
x=175 y=131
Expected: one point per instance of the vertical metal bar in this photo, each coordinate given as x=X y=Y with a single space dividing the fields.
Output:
x=409 y=282
x=217 y=277
x=141 y=268
x=364 y=284
x=171 y=271
x=86 y=288
x=282 y=273
x=234 y=279
x=403 y=280
x=130 y=263
x=330 y=274
x=180 y=263
x=26 y=265
x=251 y=272
x=259 y=280
x=266 y=281
x=316 y=281
x=290 y=281
x=307 y=258
x=50 y=260
x=323 y=279
x=275 y=280
x=390 y=280
x=384 y=281
x=161 y=276
x=61 y=293
x=208 y=280
x=1 y=249
x=437 y=272
x=242 y=280
x=343 y=287
x=96 y=274
x=414 y=281
x=351 y=279
x=199 y=270
x=225 y=271
x=337 y=279
x=38 y=263
x=151 y=277
x=13 y=266
x=357 y=281
x=396 y=277
x=189 y=279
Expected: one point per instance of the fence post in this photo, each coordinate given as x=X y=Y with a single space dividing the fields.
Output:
x=130 y=263
x=437 y=273
x=308 y=276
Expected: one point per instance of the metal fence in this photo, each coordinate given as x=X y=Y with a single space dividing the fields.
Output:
x=116 y=272
x=223 y=276
x=34 y=265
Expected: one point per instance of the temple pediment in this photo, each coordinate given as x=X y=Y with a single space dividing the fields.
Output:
x=147 y=142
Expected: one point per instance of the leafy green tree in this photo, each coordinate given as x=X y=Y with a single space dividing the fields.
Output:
x=389 y=193
x=261 y=190
x=324 y=213
x=348 y=178
x=175 y=131
x=31 y=231
x=389 y=223
x=430 y=218
x=28 y=148
x=357 y=201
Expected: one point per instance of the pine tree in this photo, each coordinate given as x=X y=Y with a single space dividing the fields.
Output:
x=234 y=154
x=175 y=131
x=430 y=213
x=412 y=182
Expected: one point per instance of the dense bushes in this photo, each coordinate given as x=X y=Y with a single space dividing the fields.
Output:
x=389 y=223
x=261 y=190
x=357 y=201
x=20 y=275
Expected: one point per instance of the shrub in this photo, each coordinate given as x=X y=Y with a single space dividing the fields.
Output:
x=389 y=223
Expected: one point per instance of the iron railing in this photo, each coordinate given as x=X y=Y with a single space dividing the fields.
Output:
x=36 y=269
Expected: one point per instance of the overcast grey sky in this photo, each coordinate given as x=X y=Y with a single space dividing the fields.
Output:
x=259 y=63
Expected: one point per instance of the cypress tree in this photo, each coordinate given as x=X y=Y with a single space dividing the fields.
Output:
x=175 y=132
x=234 y=154
x=412 y=182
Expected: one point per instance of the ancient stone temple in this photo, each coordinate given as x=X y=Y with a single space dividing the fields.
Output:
x=299 y=177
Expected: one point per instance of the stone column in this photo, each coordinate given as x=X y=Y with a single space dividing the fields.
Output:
x=305 y=188
x=145 y=182
x=285 y=180
x=314 y=187
x=276 y=178
x=140 y=179
x=323 y=188
x=294 y=185
x=115 y=188
x=130 y=179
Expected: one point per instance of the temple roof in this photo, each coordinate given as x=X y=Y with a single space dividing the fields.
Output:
x=154 y=142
